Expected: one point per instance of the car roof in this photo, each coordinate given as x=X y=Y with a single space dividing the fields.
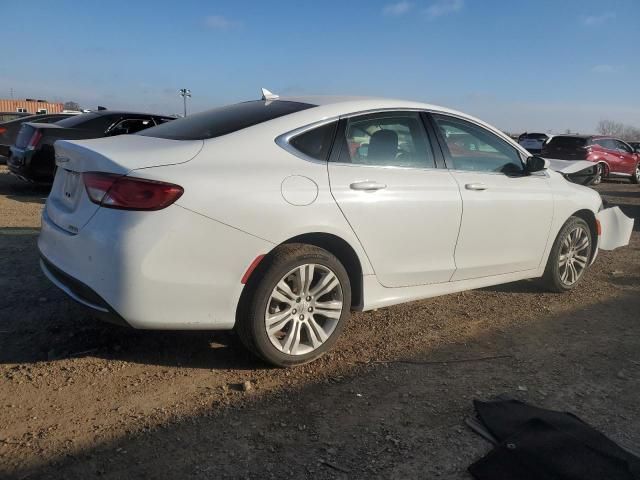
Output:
x=335 y=106
x=125 y=112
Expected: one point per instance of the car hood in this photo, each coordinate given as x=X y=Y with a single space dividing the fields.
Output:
x=568 y=166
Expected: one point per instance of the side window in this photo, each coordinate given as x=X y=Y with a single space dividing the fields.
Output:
x=315 y=143
x=393 y=139
x=623 y=147
x=473 y=148
x=131 y=125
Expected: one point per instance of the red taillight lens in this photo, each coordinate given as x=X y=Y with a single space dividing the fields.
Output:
x=129 y=193
x=2 y=130
x=35 y=138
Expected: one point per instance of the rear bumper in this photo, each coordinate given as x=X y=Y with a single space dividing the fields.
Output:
x=171 y=269
x=81 y=293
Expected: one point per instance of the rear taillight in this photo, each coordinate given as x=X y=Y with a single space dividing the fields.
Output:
x=129 y=193
x=35 y=139
x=2 y=130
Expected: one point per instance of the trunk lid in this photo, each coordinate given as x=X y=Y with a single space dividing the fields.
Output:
x=69 y=206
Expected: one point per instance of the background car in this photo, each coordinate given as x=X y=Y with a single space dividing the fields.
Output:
x=9 y=130
x=32 y=156
x=612 y=156
x=278 y=217
x=533 y=141
x=6 y=116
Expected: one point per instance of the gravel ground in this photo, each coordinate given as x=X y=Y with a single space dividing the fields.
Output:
x=81 y=399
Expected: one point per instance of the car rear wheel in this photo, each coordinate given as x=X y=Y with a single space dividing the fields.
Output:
x=597 y=179
x=569 y=257
x=298 y=302
x=635 y=178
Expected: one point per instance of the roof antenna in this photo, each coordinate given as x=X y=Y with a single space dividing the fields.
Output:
x=267 y=95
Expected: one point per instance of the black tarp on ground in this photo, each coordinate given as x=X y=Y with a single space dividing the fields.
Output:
x=546 y=445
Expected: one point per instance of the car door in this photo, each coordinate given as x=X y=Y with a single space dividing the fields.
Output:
x=404 y=210
x=507 y=213
x=626 y=158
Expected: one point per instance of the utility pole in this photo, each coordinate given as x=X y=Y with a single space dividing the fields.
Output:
x=184 y=93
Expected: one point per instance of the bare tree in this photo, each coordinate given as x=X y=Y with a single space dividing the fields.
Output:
x=610 y=128
x=72 y=106
x=618 y=130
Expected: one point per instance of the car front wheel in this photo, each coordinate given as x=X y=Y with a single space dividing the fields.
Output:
x=298 y=302
x=569 y=257
x=635 y=178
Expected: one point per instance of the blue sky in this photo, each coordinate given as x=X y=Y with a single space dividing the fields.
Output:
x=521 y=65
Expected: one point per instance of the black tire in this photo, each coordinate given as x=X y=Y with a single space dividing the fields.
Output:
x=635 y=178
x=552 y=278
x=597 y=180
x=250 y=321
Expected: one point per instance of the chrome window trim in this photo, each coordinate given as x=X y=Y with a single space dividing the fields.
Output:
x=283 y=139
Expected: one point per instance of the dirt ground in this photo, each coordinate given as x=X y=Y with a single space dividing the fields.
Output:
x=82 y=399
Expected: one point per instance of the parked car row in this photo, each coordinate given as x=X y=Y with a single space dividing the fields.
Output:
x=277 y=217
x=612 y=157
x=32 y=156
x=9 y=130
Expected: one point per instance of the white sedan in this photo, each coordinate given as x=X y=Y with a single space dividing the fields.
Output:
x=276 y=217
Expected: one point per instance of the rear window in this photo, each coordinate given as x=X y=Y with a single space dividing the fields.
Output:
x=316 y=143
x=533 y=136
x=224 y=120
x=567 y=142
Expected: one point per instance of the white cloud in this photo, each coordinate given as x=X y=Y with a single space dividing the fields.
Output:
x=218 y=22
x=593 y=20
x=397 y=9
x=443 y=7
x=604 y=68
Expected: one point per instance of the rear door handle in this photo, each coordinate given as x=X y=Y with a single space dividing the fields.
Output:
x=475 y=186
x=368 y=185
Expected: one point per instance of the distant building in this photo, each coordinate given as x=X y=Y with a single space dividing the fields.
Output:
x=30 y=105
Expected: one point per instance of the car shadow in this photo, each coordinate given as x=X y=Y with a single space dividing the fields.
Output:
x=39 y=323
x=375 y=420
x=522 y=286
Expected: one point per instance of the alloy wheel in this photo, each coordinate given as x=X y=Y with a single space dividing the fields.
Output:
x=304 y=309
x=573 y=257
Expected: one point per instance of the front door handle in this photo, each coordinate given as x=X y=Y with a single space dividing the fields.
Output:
x=475 y=186
x=368 y=186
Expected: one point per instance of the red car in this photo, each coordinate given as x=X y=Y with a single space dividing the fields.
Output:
x=614 y=157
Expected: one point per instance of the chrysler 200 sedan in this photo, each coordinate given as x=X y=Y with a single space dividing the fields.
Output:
x=277 y=217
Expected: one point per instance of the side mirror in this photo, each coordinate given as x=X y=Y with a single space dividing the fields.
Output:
x=536 y=164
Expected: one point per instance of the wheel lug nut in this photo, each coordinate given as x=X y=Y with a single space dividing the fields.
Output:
x=308 y=298
x=301 y=317
x=298 y=300
x=311 y=309
x=294 y=311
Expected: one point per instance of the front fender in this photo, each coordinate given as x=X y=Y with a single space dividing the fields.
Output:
x=615 y=228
